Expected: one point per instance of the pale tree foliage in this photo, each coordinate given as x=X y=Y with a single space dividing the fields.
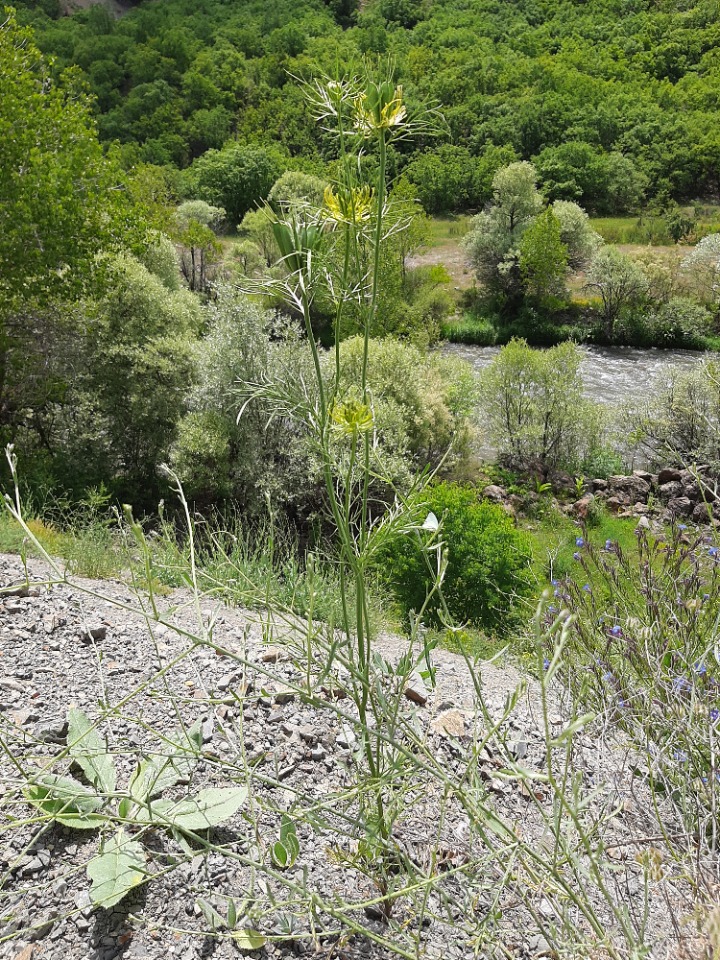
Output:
x=680 y=423
x=200 y=249
x=704 y=264
x=618 y=281
x=295 y=188
x=493 y=241
x=576 y=233
x=534 y=411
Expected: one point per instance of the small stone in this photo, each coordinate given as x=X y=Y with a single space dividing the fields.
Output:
x=271 y=655
x=539 y=947
x=416 y=690
x=518 y=748
x=643 y=523
x=51 y=731
x=284 y=694
x=318 y=753
x=97 y=631
x=208 y=728
x=450 y=723
x=308 y=734
x=346 y=738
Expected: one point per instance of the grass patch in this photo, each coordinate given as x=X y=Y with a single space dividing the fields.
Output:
x=448 y=229
x=469 y=329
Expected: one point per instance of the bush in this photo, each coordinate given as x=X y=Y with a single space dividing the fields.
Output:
x=487 y=562
x=535 y=411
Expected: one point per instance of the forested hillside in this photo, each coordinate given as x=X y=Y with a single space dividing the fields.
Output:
x=615 y=101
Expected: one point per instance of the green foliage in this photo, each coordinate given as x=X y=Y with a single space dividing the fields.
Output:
x=236 y=178
x=487 y=560
x=534 y=410
x=618 y=280
x=61 y=198
x=543 y=258
x=119 y=865
x=680 y=423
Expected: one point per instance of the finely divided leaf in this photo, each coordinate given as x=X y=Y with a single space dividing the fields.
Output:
x=89 y=751
x=115 y=870
x=208 y=809
x=66 y=801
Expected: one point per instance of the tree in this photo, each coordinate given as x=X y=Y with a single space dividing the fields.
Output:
x=294 y=187
x=703 y=265
x=197 y=222
x=619 y=281
x=61 y=200
x=406 y=210
x=544 y=258
x=237 y=178
x=581 y=240
x=495 y=234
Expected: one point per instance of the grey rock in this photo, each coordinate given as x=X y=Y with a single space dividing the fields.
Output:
x=95 y=631
x=494 y=492
x=680 y=506
x=518 y=748
x=51 y=731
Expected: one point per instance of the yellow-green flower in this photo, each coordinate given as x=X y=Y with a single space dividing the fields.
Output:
x=348 y=206
x=380 y=107
x=351 y=417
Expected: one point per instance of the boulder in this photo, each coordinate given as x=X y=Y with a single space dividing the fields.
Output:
x=582 y=507
x=644 y=475
x=561 y=482
x=680 y=507
x=701 y=513
x=615 y=504
x=669 y=475
x=598 y=485
x=634 y=487
x=670 y=490
x=494 y=492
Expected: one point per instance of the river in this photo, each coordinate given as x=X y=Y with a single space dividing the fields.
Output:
x=610 y=374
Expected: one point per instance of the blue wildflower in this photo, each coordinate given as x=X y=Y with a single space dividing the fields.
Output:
x=608 y=677
x=616 y=631
x=682 y=526
x=608 y=544
x=579 y=542
x=680 y=756
x=680 y=684
x=713 y=552
x=700 y=668
x=546 y=664
x=714 y=715
x=552 y=608
x=576 y=556
x=587 y=588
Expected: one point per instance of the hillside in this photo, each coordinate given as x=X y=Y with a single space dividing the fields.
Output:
x=614 y=100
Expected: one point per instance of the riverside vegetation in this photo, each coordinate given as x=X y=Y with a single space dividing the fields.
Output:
x=309 y=449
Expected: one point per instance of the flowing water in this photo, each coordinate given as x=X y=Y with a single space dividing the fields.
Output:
x=610 y=374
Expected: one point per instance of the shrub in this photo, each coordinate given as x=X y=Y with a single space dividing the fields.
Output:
x=534 y=409
x=487 y=562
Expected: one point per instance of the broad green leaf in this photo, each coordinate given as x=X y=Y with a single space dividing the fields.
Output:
x=160 y=772
x=285 y=851
x=115 y=870
x=66 y=801
x=248 y=940
x=208 y=809
x=89 y=751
